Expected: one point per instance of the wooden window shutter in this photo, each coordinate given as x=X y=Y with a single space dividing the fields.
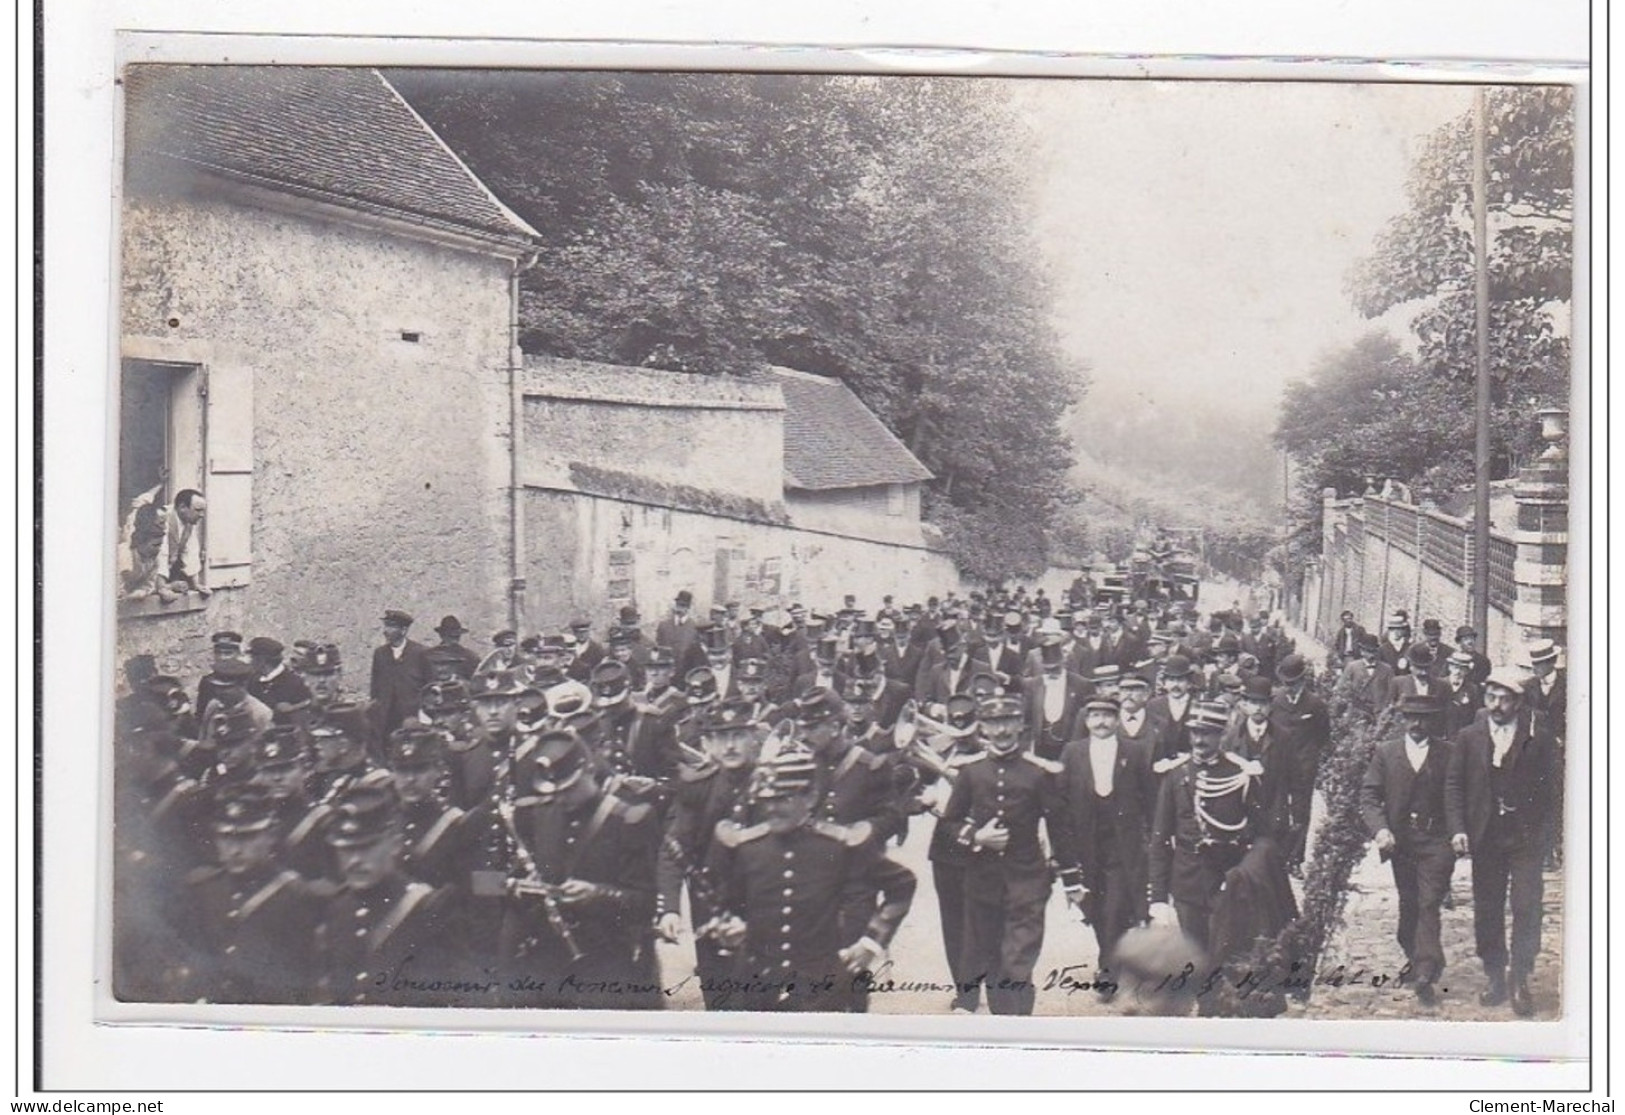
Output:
x=230 y=481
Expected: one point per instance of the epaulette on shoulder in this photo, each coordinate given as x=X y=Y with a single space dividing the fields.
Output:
x=967 y=760
x=693 y=774
x=1173 y=762
x=854 y=835
x=202 y=874
x=732 y=834
x=1042 y=763
x=1251 y=767
x=874 y=760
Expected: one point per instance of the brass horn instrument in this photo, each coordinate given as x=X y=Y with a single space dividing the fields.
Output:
x=911 y=721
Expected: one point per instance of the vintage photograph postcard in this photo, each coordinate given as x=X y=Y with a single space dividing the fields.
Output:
x=923 y=545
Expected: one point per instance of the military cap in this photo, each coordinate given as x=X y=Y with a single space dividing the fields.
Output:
x=732 y=715
x=1462 y=659
x=1141 y=676
x=752 y=669
x=1509 y=678
x=567 y=698
x=320 y=659
x=856 y=689
x=394 y=617
x=791 y=771
x=983 y=684
x=1000 y=708
x=235 y=670
x=282 y=745
x=266 y=646
x=1418 y=704
x=223 y=639
x=1257 y=688
x=1103 y=702
x=553 y=644
x=610 y=683
x=1465 y=631
x=700 y=684
x=1292 y=668
x=816 y=706
x=622 y=636
x=580 y=625
x=1208 y=716
x=164 y=689
x=450 y=625
x=445 y=696
x=240 y=808
x=368 y=812
x=533 y=709
x=229 y=727
x=553 y=762
x=507 y=637
x=495 y=683
x=1421 y=655
x=415 y=747
x=1106 y=674
x=342 y=718
x=1542 y=651
x=961 y=713
x=661 y=656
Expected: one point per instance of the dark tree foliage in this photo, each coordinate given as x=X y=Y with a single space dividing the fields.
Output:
x=872 y=229
x=1425 y=259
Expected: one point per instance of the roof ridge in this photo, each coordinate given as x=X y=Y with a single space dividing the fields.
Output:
x=779 y=369
x=479 y=183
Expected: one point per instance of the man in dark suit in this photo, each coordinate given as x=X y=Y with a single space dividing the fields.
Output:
x=1053 y=701
x=1172 y=706
x=1367 y=682
x=1461 y=697
x=1346 y=643
x=1467 y=643
x=1548 y=691
x=451 y=632
x=1403 y=807
x=1395 y=648
x=1137 y=725
x=1499 y=797
x=1420 y=682
x=400 y=670
x=950 y=675
x=1439 y=651
x=1305 y=725
x=677 y=630
x=1009 y=658
x=1109 y=796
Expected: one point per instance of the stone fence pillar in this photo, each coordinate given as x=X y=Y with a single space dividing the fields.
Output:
x=1541 y=568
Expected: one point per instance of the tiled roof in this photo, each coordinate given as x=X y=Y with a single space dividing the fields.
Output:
x=338 y=134
x=831 y=440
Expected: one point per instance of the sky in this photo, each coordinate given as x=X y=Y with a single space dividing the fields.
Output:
x=1200 y=233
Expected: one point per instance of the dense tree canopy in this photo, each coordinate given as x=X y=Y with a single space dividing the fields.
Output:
x=1425 y=257
x=868 y=228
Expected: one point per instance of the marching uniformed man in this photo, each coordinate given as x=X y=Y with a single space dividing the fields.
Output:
x=384 y=937
x=709 y=791
x=431 y=829
x=322 y=667
x=1402 y=805
x=282 y=770
x=1209 y=812
x=250 y=920
x=994 y=813
x=787 y=877
x=854 y=783
x=582 y=884
x=274 y=685
x=227 y=646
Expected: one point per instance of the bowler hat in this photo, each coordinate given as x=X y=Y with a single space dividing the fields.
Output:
x=1176 y=666
x=1292 y=668
x=265 y=646
x=685 y=598
x=1418 y=705
x=1257 y=688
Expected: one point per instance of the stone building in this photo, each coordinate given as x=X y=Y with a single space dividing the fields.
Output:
x=761 y=490
x=317 y=333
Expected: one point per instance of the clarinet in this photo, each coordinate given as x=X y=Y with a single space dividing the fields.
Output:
x=533 y=886
x=701 y=887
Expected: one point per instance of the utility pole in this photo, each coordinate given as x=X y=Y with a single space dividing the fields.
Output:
x=1481 y=284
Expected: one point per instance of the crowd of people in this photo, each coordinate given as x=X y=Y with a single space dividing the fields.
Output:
x=518 y=826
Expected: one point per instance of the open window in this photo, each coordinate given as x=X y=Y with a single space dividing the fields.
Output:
x=183 y=427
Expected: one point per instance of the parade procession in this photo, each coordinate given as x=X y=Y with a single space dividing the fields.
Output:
x=857 y=619
x=520 y=825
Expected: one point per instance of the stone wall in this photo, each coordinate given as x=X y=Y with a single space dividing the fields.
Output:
x=589 y=555
x=380 y=466
x=864 y=511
